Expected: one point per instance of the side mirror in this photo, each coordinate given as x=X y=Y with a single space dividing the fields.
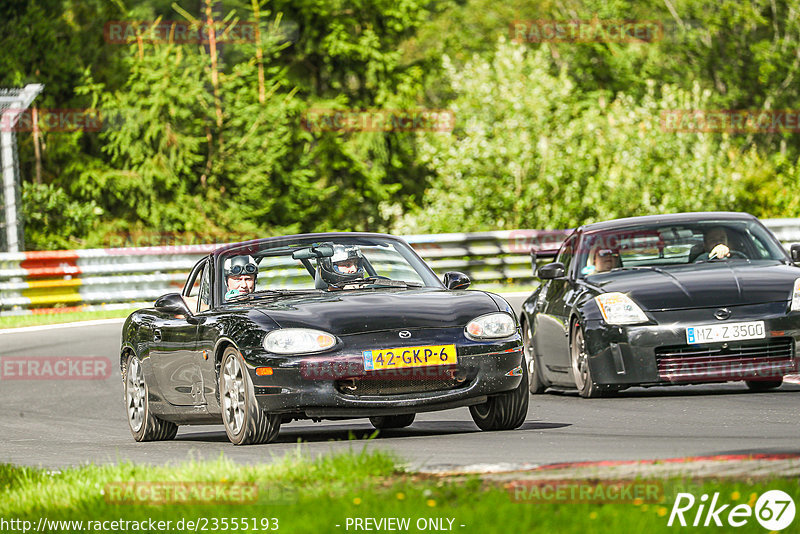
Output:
x=456 y=280
x=795 y=253
x=173 y=304
x=551 y=271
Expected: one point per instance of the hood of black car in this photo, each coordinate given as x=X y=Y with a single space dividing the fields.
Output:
x=725 y=283
x=369 y=310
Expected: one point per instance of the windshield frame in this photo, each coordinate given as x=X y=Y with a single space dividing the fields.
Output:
x=753 y=229
x=288 y=244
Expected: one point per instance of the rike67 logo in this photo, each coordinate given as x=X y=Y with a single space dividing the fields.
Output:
x=774 y=510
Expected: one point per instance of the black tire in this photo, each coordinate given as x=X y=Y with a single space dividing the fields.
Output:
x=245 y=422
x=143 y=423
x=384 y=422
x=505 y=411
x=581 y=371
x=535 y=383
x=763 y=385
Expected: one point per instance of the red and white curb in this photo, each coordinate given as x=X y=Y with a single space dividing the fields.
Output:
x=725 y=465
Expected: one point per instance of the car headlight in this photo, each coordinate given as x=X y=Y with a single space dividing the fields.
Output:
x=491 y=326
x=298 y=341
x=618 y=308
x=796 y=296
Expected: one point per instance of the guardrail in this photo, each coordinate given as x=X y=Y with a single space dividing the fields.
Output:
x=40 y=281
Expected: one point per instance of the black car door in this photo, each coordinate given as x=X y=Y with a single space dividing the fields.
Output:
x=175 y=358
x=552 y=321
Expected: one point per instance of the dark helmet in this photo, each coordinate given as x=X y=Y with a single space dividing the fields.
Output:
x=330 y=269
x=241 y=265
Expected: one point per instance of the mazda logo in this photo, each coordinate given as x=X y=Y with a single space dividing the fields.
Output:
x=722 y=314
x=405 y=334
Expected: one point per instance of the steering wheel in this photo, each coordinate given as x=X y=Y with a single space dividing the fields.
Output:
x=732 y=254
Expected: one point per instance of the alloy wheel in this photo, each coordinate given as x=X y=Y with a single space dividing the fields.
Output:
x=135 y=392
x=580 y=363
x=233 y=395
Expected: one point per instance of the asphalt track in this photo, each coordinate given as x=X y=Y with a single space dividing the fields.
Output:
x=61 y=422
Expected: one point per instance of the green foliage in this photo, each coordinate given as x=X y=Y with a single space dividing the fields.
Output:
x=184 y=160
x=52 y=217
x=533 y=151
x=547 y=134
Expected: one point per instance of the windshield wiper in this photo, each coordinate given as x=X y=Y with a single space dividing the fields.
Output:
x=264 y=293
x=377 y=281
x=639 y=268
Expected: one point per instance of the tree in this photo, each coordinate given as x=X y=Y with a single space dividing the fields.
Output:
x=532 y=151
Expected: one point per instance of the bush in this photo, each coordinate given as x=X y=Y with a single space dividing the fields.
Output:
x=530 y=150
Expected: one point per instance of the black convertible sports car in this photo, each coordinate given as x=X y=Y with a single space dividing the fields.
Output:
x=664 y=300
x=317 y=326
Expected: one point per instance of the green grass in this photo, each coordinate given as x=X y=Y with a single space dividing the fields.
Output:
x=18 y=321
x=316 y=495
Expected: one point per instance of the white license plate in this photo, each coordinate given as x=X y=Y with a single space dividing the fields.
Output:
x=714 y=333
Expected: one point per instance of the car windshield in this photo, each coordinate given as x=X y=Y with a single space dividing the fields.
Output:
x=320 y=263
x=665 y=245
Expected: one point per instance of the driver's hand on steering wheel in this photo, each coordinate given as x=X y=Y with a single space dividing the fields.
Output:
x=720 y=251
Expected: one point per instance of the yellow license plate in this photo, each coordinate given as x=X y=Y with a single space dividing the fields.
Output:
x=375 y=360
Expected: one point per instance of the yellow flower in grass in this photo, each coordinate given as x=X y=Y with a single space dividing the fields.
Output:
x=431 y=503
x=661 y=511
x=357 y=500
x=400 y=495
x=735 y=496
x=637 y=502
x=593 y=515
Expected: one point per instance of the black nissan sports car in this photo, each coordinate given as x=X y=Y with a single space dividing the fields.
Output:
x=338 y=325
x=664 y=300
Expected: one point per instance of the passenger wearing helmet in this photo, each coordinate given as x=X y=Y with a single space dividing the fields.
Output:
x=345 y=265
x=240 y=275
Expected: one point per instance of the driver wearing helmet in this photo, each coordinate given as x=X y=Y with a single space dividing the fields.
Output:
x=346 y=265
x=240 y=275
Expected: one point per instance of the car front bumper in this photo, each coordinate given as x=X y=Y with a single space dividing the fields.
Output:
x=658 y=354
x=336 y=385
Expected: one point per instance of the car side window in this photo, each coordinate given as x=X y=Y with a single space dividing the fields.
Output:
x=204 y=300
x=194 y=286
x=566 y=254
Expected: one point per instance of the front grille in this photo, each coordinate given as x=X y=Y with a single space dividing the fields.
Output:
x=763 y=358
x=389 y=383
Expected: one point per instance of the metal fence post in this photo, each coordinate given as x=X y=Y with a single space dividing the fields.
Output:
x=13 y=102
